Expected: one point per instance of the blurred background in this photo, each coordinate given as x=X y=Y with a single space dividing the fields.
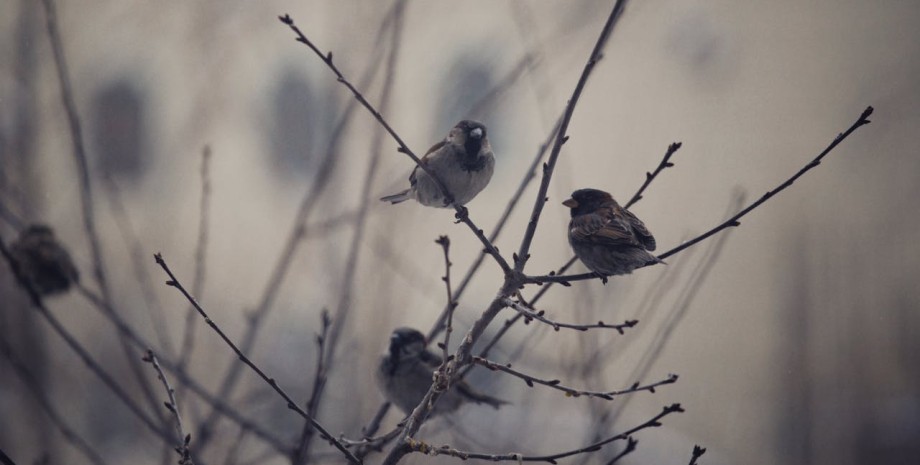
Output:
x=796 y=336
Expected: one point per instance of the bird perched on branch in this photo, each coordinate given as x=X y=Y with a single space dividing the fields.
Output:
x=405 y=375
x=464 y=163
x=606 y=237
x=42 y=261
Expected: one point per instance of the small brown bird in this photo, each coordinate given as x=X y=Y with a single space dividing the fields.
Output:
x=606 y=237
x=43 y=261
x=463 y=161
x=405 y=375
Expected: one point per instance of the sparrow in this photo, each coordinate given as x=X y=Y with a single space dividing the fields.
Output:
x=463 y=161
x=405 y=375
x=42 y=261
x=606 y=237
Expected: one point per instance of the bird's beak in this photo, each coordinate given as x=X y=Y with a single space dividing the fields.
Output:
x=571 y=203
x=476 y=133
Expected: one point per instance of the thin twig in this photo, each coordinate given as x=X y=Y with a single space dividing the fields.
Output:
x=301 y=453
x=271 y=382
x=201 y=248
x=734 y=221
x=32 y=385
x=375 y=443
x=185 y=457
x=79 y=151
x=654 y=422
x=462 y=213
x=531 y=314
x=523 y=253
x=631 y=444
x=649 y=177
x=139 y=263
x=233 y=452
x=371 y=429
x=571 y=392
x=444 y=242
x=697 y=453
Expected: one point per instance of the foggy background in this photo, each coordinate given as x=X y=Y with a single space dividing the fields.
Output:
x=801 y=345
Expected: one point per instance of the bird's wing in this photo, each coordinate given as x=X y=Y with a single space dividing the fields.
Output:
x=641 y=232
x=424 y=159
x=602 y=228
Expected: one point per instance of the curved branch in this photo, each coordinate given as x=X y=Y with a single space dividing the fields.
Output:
x=530 y=314
x=654 y=422
x=462 y=213
x=734 y=220
x=571 y=392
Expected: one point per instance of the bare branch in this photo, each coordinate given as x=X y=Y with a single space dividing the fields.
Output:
x=204 y=209
x=531 y=314
x=697 y=453
x=462 y=213
x=444 y=242
x=373 y=426
x=79 y=150
x=523 y=253
x=631 y=444
x=654 y=422
x=734 y=220
x=571 y=392
x=374 y=443
x=271 y=382
x=34 y=386
x=649 y=177
x=301 y=453
x=185 y=457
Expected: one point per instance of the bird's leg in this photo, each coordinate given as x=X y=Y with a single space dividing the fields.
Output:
x=462 y=213
x=602 y=276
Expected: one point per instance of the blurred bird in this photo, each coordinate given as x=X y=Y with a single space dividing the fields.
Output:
x=463 y=162
x=43 y=261
x=606 y=237
x=405 y=375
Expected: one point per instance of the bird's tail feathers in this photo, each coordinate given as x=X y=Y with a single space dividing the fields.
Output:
x=397 y=197
x=494 y=402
